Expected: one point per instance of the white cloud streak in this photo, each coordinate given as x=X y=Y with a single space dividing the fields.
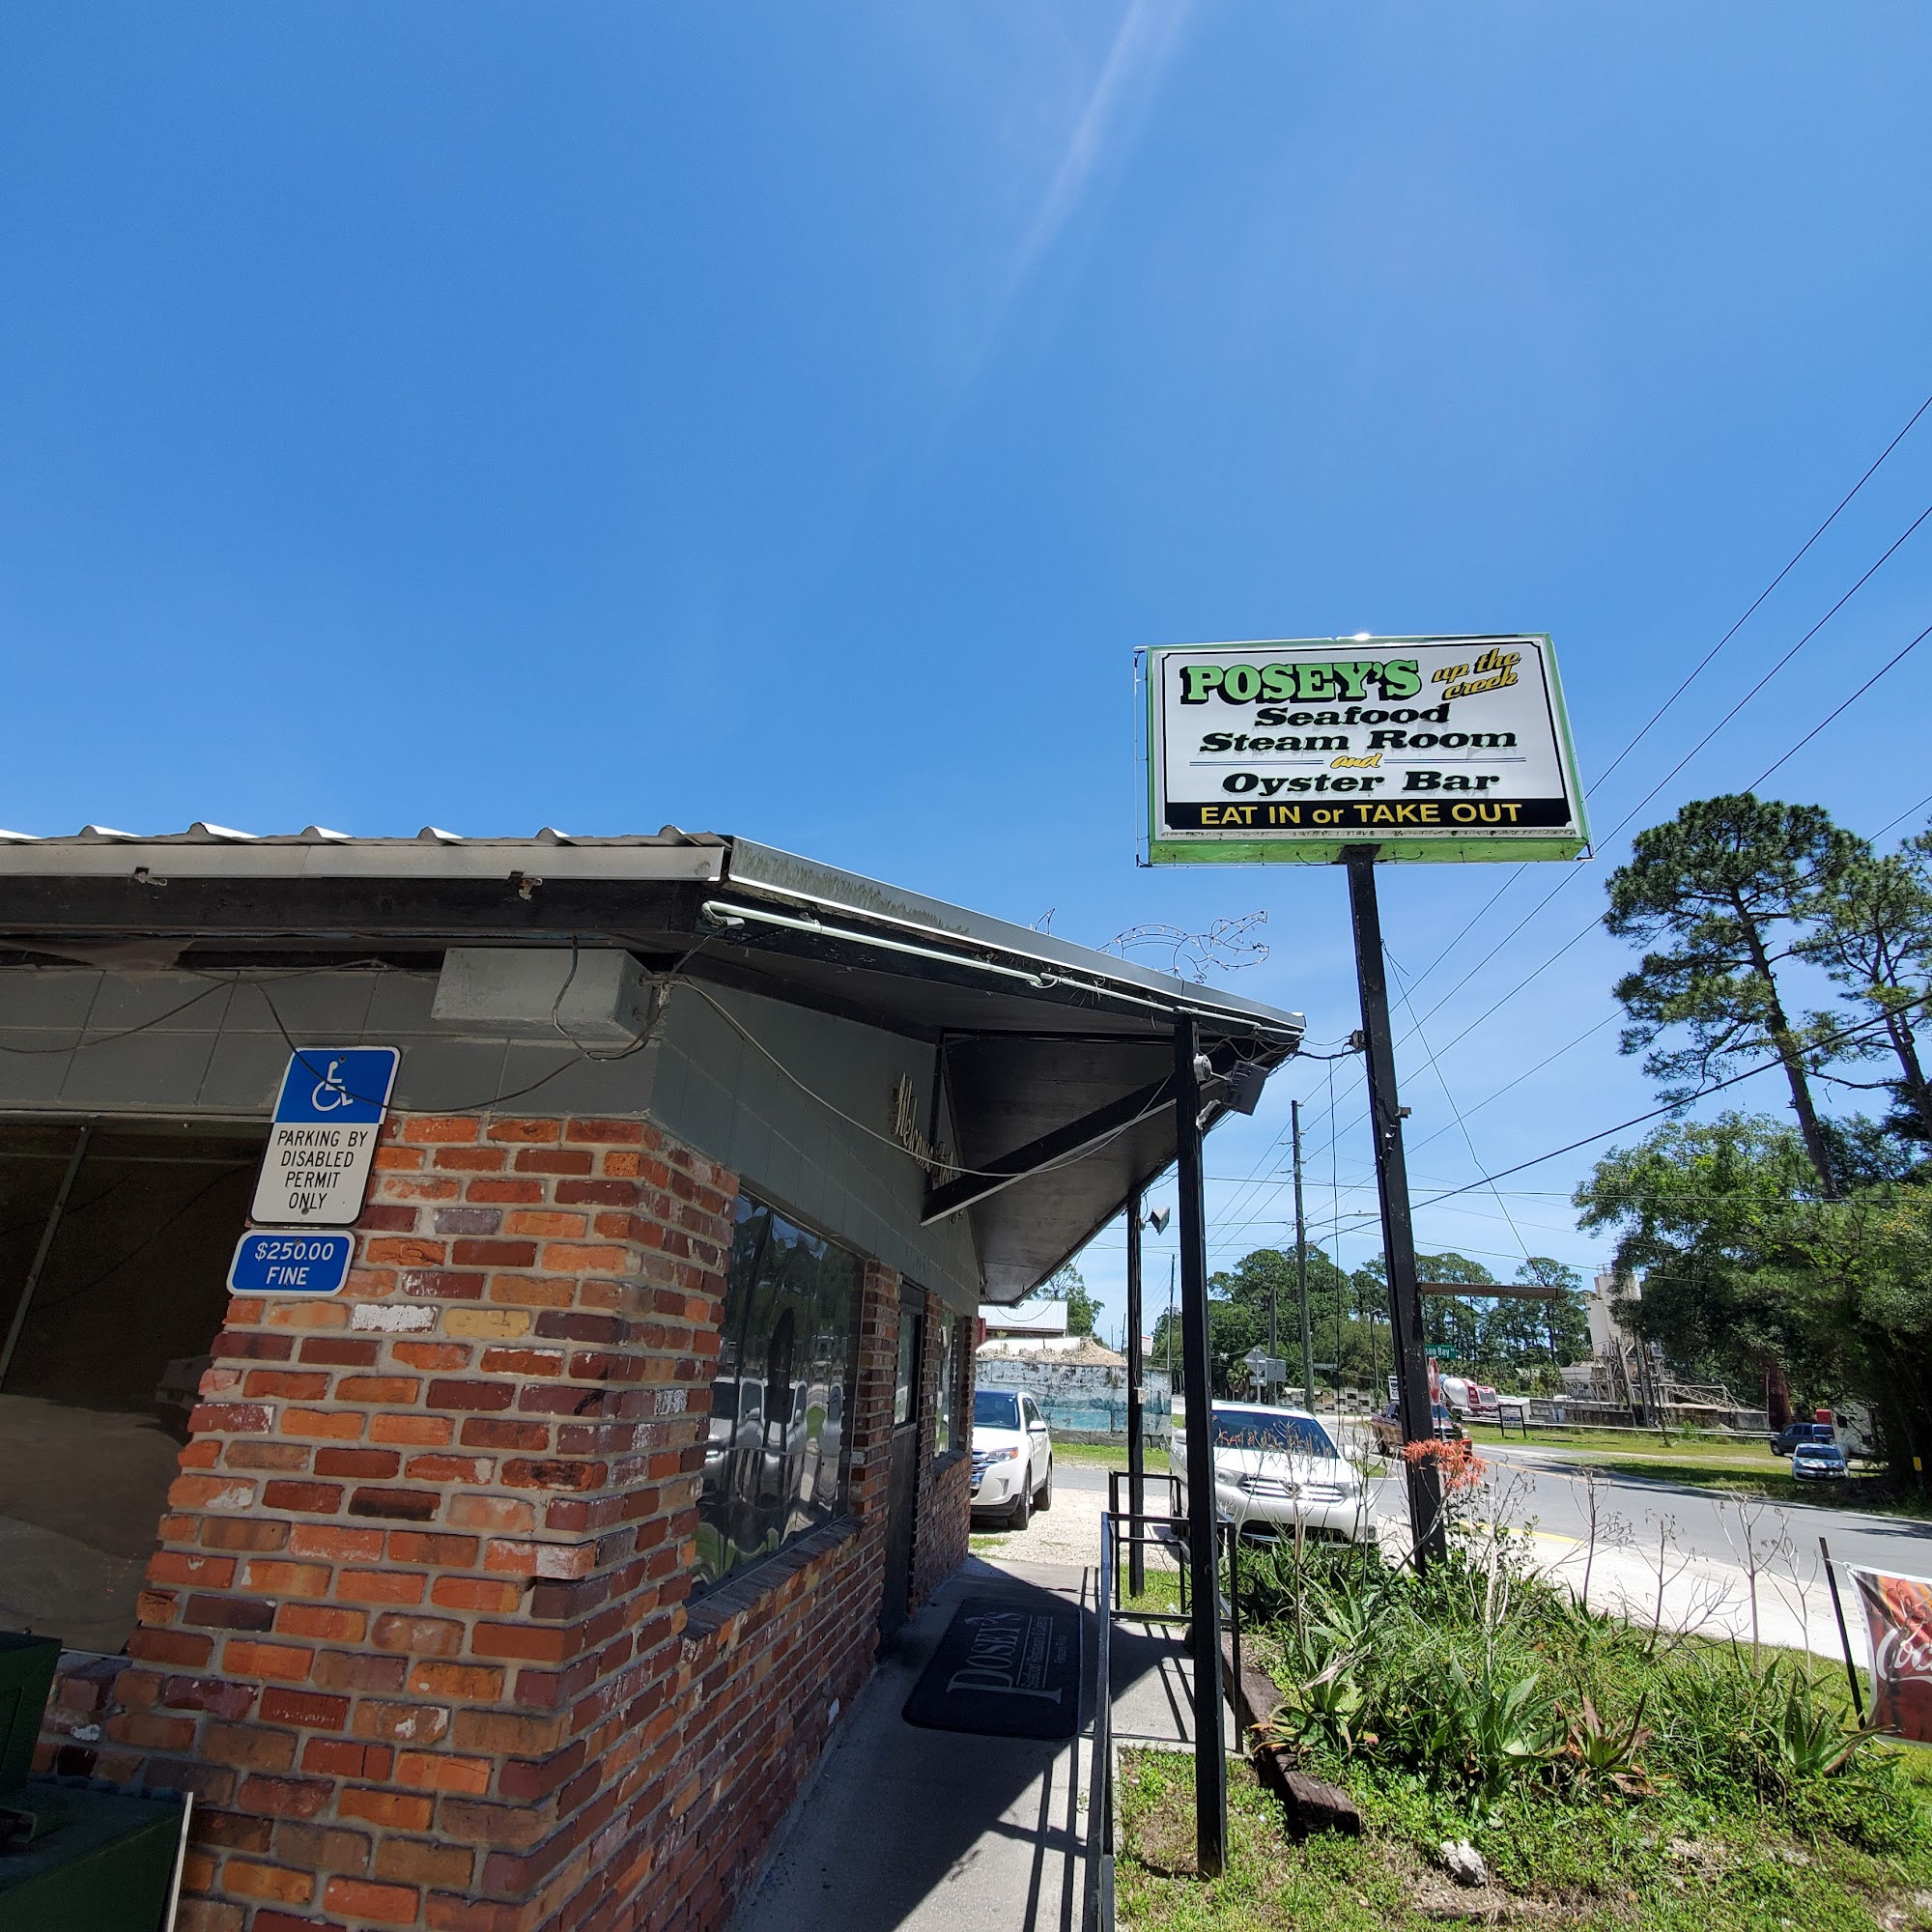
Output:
x=1143 y=46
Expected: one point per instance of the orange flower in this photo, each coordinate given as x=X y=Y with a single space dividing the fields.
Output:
x=1457 y=1462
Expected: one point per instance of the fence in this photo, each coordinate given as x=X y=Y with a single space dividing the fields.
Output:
x=1083 y=1402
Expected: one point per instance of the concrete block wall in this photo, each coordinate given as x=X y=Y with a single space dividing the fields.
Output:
x=419 y=1633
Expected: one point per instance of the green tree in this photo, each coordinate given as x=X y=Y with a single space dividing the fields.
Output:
x=1727 y=882
x=1871 y=931
x=1069 y=1285
x=1456 y=1320
x=1520 y=1336
x=1692 y=1204
x=1745 y=1261
x=1238 y=1320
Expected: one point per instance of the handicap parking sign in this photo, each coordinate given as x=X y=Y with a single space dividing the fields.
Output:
x=323 y=1144
x=338 y=1086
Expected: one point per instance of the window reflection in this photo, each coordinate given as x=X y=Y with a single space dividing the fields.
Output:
x=777 y=1462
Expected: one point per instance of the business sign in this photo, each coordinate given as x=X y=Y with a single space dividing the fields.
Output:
x=1425 y=747
x=290 y=1260
x=1898 y=1616
x=323 y=1144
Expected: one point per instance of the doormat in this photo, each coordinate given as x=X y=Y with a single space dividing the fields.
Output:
x=1006 y=1666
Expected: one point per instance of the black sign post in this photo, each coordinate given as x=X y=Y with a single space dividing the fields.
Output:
x=1204 y=1536
x=1411 y=1364
x=1136 y=1446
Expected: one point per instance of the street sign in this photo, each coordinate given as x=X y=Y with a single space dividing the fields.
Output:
x=290 y=1260
x=1426 y=748
x=1439 y=1351
x=316 y=1170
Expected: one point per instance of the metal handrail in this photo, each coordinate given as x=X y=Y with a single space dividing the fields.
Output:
x=1100 y=1785
x=1100 y=1782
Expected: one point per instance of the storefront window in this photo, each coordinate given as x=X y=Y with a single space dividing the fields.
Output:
x=777 y=1460
x=905 y=1384
x=948 y=1376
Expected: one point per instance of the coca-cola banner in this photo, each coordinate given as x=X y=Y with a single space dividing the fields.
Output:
x=1898 y=1614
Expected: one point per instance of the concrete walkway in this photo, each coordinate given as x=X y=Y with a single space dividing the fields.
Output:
x=908 y=1829
x=938 y=1830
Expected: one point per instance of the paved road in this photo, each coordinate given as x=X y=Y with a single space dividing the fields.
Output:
x=1554 y=1495
x=1703 y=1525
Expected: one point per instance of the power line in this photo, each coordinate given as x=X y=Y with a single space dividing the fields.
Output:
x=1910 y=812
x=1578 y=937
x=1797 y=557
x=1656 y=717
x=1670 y=1107
x=1851 y=700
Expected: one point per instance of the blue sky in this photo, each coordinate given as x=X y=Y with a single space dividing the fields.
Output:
x=789 y=421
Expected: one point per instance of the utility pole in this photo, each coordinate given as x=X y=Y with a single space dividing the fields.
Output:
x=1301 y=1264
x=1171 y=1260
x=1204 y=1529
x=1136 y=1452
x=1411 y=1363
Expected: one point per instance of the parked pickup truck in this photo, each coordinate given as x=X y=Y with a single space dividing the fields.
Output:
x=1386 y=1428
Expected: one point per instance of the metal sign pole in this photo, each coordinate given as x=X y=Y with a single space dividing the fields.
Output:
x=1210 y=1764
x=1136 y=1448
x=1411 y=1365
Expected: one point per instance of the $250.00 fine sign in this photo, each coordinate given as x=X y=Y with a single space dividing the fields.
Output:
x=1426 y=748
x=323 y=1143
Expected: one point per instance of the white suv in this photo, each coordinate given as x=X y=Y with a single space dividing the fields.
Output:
x=1012 y=1454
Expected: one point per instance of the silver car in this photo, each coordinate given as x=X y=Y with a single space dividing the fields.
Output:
x=1818 y=1462
x=1277 y=1470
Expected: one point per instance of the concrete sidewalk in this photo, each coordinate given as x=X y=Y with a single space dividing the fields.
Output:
x=938 y=1830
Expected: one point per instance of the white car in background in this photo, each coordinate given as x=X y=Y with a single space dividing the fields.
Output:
x=1276 y=1470
x=1012 y=1456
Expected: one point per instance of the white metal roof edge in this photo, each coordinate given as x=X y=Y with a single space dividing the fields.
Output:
x=766 y=868
x=336 y=858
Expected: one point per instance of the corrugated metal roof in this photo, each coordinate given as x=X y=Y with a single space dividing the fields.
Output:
x=201 y=832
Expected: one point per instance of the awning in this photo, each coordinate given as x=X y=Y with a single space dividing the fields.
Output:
x=1055 y=1058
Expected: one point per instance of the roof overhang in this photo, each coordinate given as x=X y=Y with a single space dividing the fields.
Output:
x=1054 y=1057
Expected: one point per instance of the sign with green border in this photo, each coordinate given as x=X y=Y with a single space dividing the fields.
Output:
x=1450 y=748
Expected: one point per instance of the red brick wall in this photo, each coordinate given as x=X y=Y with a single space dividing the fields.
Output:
x=418 y=1632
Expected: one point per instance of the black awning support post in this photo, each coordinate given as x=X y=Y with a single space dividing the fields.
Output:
x=1136 y=1445
x=1204 y=1539
x=1301 y=1268
x=1411 y=1362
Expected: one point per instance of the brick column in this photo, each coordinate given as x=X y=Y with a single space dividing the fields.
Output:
x=410 y=1628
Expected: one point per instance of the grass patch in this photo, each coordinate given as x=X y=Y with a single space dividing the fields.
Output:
x=1777 y=1485
x=1162 y=1592
x=1712 y=1451
x=1103 y=1455
x=1612 y=1777
x=1724 y=1465
x=1671 y=1865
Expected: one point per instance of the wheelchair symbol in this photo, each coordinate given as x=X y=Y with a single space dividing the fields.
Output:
x=330 y=1093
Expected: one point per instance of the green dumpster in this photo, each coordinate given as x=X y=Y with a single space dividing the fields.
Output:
x=74 y=1855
